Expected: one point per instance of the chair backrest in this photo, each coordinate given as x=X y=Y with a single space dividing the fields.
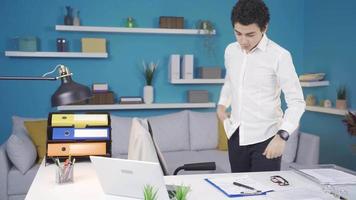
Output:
x=142 y=146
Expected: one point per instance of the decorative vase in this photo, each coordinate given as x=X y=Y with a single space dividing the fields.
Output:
x=76 y=18
x=341 y=104
x=68 y=18
x=148 y=94
x=310 y=100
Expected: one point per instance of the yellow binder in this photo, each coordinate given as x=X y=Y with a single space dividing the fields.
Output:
x=79 y=120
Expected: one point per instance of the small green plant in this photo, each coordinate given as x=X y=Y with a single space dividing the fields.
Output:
x=182 y=192
x=149 y=70
x=341 y=93
x=207 y=26
x=149 y=193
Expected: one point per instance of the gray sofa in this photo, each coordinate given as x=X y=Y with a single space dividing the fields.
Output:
x=183 y=137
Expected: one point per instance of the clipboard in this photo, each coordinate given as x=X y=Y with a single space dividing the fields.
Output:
x=226 y=186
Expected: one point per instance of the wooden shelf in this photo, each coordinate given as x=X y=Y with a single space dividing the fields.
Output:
x=55 y=54
x=137 y=106
x=314 y=83
x=197 y=81
x=333 y=111
x=133 y=30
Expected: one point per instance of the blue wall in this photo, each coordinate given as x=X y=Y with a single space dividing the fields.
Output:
x=126 y=51
x=329 y=46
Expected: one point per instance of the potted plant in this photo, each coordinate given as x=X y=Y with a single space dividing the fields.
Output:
x=149 y=71
x=181 y=192
x=149 y=193
x=341 y=98
x=350 y=122
x=207 y=26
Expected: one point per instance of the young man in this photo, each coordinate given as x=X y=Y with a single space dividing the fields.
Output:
x=257 y=70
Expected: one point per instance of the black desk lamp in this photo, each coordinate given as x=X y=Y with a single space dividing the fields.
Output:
x=68 y=92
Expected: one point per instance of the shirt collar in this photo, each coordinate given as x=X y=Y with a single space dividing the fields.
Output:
x=263 y=43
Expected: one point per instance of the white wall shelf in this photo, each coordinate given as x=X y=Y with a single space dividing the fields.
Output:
x=133 y=30
x=333 y=111
x=55 y=54
x=197 y=81
x=137 y=106
x=314 y=84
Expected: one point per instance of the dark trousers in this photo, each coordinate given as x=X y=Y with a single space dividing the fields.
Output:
x=249 y=158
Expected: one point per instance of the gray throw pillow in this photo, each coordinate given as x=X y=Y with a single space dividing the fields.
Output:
x=18 y=126
x=203 y=128
x=120 y=133
x=21 y=152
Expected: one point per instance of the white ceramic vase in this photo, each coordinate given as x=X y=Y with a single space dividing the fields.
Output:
x=148 y=94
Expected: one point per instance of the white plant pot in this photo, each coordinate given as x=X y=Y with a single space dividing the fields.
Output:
x=148 y=94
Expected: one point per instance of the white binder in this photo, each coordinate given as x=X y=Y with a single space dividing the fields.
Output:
x=187 y=66
x=174 y=67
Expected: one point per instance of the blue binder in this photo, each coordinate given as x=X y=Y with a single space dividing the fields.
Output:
x=81 y=133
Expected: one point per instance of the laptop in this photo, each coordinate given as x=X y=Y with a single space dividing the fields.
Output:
x=127 y=178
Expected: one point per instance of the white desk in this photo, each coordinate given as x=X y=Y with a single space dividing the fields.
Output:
x=86 y=185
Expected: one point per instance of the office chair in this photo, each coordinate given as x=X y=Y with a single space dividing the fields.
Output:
x=142 y=134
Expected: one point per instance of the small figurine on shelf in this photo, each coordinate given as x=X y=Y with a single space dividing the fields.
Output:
x=130 y=22
x=76 y=18
x=68 y=18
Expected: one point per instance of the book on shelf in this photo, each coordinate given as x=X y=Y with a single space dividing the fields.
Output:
x=131 y=100
x=100 y=87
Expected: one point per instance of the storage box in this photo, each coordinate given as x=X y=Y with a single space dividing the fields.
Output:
x=198 y=96
x=102 y=98
x=210 y=72
x=94 y=45
x=171 y=22
x=28 y=44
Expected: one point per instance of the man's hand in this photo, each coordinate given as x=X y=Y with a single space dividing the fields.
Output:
x=221 y=112
x=275 y=148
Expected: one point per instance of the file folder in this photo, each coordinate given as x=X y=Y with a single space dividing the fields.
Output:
x=79 y=120
x=76 y=149
x=80 y=133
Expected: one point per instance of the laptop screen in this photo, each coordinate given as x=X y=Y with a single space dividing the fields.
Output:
x=127 y=178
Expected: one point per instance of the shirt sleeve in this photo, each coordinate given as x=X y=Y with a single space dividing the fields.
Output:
x=293 y=93
x=225 y=93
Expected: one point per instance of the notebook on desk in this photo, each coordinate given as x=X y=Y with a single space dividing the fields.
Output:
x=127 y=178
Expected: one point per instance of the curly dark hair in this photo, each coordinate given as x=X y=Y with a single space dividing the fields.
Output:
x=248 y=12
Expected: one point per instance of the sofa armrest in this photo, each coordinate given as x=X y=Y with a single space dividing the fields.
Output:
x=308 y=149
x=4 y=171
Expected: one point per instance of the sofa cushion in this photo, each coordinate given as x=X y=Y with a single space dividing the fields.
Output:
x=18 y=126
x=120 y=131
x=222 y=138
x=21 y=152
x=203 y=129
x=19 y=183
x=290 y=150
x=38 y=133
x=171 y=131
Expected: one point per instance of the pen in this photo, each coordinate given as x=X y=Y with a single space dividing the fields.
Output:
x=244 y=186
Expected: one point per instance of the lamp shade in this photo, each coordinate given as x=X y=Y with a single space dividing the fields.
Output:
x=69 y=91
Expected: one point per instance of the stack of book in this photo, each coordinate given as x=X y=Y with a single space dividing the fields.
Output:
x=131 y=100
x=101 y=94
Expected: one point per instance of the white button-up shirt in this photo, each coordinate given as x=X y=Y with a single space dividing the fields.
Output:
x=253 y=85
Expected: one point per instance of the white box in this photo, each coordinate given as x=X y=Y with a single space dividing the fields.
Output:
x=187 y=66
x=174 y=67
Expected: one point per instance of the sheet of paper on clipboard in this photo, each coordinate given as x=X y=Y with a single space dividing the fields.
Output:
x=226 y=186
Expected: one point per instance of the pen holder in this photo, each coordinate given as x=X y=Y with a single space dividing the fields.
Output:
x=64 y=174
